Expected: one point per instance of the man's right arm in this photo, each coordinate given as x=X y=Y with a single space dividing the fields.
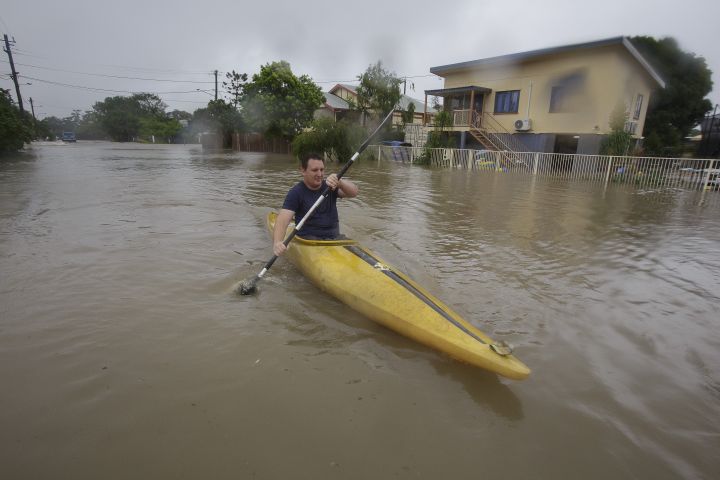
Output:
x=282 y=221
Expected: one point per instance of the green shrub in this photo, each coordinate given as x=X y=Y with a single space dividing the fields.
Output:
x=337 y=140
x=14 y=130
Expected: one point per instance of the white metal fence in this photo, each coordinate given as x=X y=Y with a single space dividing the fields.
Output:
x=642 y=172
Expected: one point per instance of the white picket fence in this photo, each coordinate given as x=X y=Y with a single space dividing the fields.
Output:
x=642 y=172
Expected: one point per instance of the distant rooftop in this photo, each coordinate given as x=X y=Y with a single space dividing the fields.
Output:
x=335 y=102
x=404 y=103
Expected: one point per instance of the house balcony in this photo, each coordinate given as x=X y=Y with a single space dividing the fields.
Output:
x=465 y=105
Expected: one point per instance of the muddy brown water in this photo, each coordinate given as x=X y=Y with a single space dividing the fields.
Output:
x=125 y=354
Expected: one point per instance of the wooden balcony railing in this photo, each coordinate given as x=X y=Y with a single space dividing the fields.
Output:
x=466 y=118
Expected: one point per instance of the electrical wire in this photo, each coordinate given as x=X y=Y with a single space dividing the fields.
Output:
x=116 y=76
x=95 y=89
x=27 y=53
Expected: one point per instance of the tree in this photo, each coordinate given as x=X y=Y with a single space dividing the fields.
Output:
x=279 y=104
x=90 y=128
x=440 y=136
x=619 y=140
x=676 y=109
x=54 y=127
x=121 y=117
x=378 y=92
x=150 y=105
x=234 y=86
x=409 y=115
x=14 y=130
x=180 y=115
x=42 y=131
x=75 y=118
x=164 y=129
x=220 y=117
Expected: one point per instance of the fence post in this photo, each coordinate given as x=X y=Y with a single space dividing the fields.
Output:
x=607 y=174
x=707 y=174
x=536 y=160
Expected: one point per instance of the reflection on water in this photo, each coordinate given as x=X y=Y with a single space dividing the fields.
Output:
x=123 y=351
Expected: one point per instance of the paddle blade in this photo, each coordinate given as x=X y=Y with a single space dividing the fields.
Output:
x=248 y=287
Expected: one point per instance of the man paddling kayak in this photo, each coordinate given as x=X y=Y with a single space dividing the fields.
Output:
x=324 y=224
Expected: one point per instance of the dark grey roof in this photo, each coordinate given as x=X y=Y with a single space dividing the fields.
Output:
x=446 y=92
x=517 y=57
x=405 y=102
x=335 y=102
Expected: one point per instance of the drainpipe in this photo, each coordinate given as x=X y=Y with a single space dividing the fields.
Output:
x=425 y=112
x=529 y=97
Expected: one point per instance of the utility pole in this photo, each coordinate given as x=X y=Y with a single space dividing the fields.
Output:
x=14 y=74
x=216 y=84
x=32 y=107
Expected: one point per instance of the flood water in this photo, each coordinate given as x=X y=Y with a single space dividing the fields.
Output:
x=124 y=352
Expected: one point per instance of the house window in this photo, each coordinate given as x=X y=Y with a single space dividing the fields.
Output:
x=459 y=103
x=638 y=107
x=507 y=102
x=631 y=127
x=567 y=94
x=559 y=99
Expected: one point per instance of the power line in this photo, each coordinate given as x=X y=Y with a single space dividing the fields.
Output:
x=336 y=81
x=95 y=89
x=27 y=53
x=115 y=76
x=184 y=101
x=183 y=81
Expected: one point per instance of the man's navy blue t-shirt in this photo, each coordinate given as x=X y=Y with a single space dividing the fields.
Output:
x=324 y=222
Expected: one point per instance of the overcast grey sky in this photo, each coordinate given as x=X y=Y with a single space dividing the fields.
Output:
x=73 y=50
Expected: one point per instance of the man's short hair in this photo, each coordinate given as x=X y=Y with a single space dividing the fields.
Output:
x=310 y=156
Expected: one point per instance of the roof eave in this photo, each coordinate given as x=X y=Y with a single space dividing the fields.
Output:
x=641 y=60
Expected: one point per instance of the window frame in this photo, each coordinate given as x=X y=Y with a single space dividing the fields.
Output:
x=558 y=95
x=501 y=101
x=638 y=106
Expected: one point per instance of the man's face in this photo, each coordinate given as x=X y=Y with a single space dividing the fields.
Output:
x=313 y=174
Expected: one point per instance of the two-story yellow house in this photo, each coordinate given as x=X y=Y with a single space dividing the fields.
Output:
x=549 y=100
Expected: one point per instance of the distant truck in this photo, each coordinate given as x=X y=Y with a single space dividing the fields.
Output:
x=68 y=137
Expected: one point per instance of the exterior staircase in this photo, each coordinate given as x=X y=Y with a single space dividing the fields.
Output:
x=493 y=136
x=486 y=130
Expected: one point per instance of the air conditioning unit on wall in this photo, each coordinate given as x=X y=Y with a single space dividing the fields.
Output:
x=522 y=125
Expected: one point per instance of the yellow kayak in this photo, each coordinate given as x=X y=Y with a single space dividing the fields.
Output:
x=369 y=285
